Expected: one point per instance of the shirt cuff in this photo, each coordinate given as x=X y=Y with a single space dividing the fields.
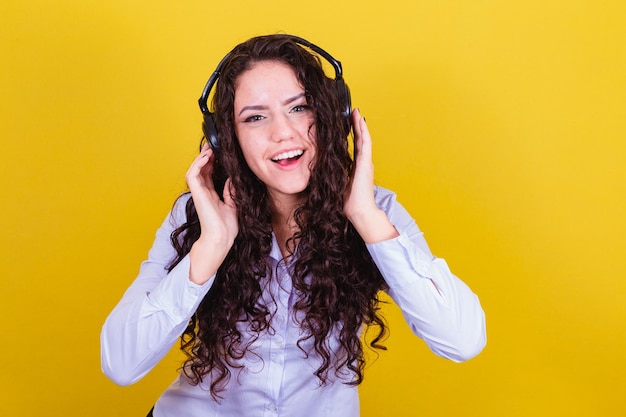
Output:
x=394 y=256
x=177 y=295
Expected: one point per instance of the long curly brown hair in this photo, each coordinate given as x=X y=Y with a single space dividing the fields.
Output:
x=334 y=277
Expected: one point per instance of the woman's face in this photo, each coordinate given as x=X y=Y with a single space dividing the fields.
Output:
x=275 y=128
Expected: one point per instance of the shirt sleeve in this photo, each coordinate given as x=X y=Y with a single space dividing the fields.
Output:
x=438 y=306
x=153 y=312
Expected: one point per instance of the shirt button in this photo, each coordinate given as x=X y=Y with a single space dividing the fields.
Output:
x=271 y=407
x=278 y=341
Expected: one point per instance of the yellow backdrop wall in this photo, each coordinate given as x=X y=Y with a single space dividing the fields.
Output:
x=501 y=126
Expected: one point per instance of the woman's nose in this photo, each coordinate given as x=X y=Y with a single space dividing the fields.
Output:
x=282 y=128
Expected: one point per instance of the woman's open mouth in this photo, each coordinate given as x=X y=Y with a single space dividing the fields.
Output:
x=288 y=157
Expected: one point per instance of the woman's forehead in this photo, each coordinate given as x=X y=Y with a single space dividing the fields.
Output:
x=266 y=80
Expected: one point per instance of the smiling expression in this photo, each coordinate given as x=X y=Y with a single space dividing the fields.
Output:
x=275 y=128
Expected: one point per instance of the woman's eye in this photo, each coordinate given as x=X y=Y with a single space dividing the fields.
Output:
x=301 y=107
x=254 y=118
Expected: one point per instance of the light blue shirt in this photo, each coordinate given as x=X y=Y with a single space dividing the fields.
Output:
x=278 y=379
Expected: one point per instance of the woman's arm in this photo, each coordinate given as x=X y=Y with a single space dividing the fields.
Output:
x=153 y=312
x=156 y=309
x=439 y=307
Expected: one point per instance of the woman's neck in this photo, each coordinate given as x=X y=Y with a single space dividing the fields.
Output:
x=284 y=223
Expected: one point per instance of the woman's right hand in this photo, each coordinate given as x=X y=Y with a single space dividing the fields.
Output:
x=218 y=219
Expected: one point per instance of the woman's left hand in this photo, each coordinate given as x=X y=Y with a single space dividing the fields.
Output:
x=360 y=206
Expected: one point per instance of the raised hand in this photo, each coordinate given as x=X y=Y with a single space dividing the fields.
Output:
x=360 y=205
x=218 y=219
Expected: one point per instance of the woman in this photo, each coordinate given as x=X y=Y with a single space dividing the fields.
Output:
x=269 y=269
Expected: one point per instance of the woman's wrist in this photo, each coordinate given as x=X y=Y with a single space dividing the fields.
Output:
x=374 y=226
x=205 y=257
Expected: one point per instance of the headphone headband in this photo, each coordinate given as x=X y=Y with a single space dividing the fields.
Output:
x=208 y=126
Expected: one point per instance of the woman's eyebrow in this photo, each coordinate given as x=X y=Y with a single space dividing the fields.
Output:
x=294 y=98
x=252 y=107
x=263 y=107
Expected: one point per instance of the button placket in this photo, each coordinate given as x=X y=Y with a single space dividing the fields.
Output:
x=281 y=289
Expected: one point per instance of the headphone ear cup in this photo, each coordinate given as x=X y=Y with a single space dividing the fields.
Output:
x=343 y=92
x=210 y=131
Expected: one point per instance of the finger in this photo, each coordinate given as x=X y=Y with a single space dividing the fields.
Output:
x=356 y=128
x=356 y=116
x=229 y=193
x=205 y=157
x=363 y=140
x=366 y=139
x=205 y=146
x=200 y=171
x=203 y=143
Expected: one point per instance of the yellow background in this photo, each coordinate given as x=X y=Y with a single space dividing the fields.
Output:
x=500 y=124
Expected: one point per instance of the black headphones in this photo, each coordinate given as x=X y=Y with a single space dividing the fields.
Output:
x=208 y=126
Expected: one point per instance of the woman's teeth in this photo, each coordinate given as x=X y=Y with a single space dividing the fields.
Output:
x=287 y=155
